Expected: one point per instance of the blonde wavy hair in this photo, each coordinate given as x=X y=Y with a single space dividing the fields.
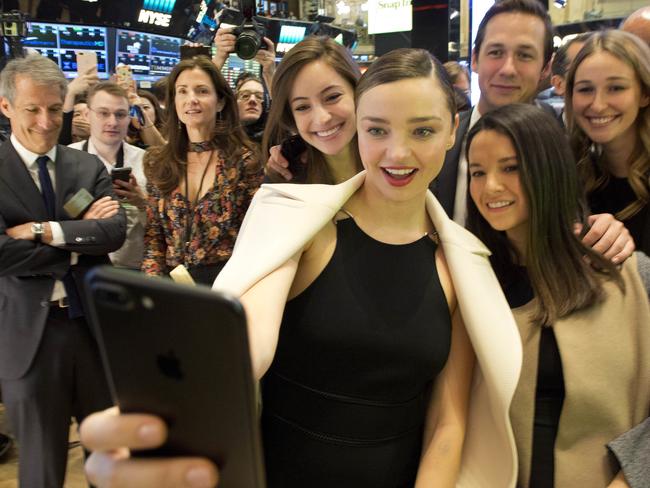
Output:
x=591 y=166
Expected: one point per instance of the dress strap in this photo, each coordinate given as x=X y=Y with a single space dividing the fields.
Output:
x=335 y=220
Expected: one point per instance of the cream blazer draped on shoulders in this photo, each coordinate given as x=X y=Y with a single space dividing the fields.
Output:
x=283 y=218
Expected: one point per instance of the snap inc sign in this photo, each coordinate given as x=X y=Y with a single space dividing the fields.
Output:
x=389 y=16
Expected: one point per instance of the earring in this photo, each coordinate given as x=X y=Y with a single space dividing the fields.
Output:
x=219 y=115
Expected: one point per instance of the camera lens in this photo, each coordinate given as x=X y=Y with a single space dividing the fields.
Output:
x=247 y=44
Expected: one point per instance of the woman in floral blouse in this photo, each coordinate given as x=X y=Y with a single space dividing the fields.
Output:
x=202 y=181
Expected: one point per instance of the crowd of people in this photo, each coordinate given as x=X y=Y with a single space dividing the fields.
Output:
x=444 y=295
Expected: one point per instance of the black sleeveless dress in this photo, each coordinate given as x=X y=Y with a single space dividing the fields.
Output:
x=346 y=396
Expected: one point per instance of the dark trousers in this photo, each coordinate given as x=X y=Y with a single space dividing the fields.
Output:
x=65 y=380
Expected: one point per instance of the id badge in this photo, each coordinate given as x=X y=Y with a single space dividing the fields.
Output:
x=79 y=202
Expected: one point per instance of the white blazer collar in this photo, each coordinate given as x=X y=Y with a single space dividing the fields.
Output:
x=335 y=196
x=284 y=217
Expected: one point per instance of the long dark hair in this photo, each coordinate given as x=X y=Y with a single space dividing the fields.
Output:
x=280 y=123
x=562 y=279
x=164 y=166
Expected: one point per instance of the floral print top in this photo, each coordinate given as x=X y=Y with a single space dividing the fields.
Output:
x=215 y=221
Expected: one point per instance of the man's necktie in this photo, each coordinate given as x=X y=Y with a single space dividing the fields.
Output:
x=49 y=198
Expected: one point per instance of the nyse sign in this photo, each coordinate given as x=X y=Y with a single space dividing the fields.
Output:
x=155 y=18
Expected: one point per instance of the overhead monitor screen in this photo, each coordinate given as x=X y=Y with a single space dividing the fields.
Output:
x=235 y=66
x=61 y=42
x=290 y=35
x=150 y=56
x=133 y=42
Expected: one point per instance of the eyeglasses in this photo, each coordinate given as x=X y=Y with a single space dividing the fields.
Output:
x=105 y=114
x=246 y=95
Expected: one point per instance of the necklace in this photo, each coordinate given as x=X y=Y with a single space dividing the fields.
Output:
x=189 y=216
x=199 y=147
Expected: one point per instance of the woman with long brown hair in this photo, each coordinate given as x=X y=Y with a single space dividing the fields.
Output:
x=202 y=180
x=608 y=110
x=584 y=323
x=313 y=98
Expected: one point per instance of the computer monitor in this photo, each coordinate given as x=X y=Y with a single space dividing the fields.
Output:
x=61 y=42
x=151 y=56
x=290 y=35
x=235 y=66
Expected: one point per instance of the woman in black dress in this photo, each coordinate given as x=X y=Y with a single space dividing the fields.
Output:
x=356 y=328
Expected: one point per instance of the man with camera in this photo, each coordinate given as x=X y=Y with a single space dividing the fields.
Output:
x=109 y=116
x=225 y=41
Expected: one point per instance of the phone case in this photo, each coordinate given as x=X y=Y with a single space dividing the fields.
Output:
x=85 y=61
x=124 y=75
x=181 y=352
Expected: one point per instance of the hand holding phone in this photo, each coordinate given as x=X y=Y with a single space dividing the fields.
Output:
x=292 y=149
x=195 y=375
x=125 y=77
x=86 y=62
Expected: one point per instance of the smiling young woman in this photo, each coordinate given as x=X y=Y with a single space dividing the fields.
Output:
x=608 y=110
x=584 y=325
x=313 y=97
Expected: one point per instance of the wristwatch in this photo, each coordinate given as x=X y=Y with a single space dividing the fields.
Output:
x=38 y=230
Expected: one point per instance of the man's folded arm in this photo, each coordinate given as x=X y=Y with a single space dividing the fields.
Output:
x=96 y=236
x=20 y=257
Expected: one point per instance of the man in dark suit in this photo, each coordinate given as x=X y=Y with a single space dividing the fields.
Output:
x=512 y=53
x=50 y=369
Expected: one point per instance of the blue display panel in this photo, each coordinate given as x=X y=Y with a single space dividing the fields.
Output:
x=150 y=56
x=164 y=6
x=290 y=35
x=61 y=42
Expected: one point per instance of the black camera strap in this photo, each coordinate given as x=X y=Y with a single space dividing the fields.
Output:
x=119 y=163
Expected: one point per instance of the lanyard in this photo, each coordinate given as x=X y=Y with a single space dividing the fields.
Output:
x=119 y=163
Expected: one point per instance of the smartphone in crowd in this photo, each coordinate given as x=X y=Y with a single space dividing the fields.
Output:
x=135 y=112
x=124 y=76
x=123 y=174
x=181 y=352
x=292 y=149
x=86 y=62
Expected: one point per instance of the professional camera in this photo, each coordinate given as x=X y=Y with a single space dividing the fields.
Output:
x=249 y=31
